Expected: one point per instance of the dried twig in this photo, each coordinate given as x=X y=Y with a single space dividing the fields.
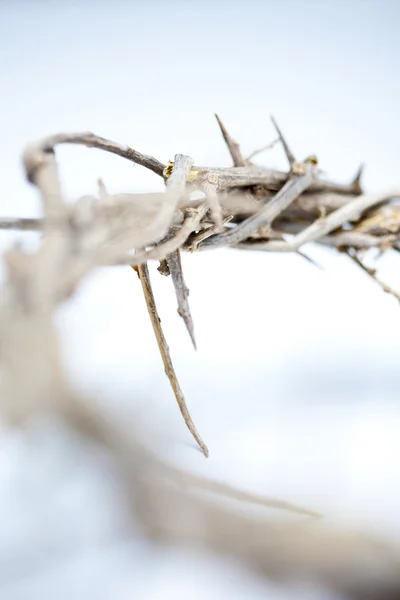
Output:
x=195 y=239
x=262 y=149
x=372 y=273
x=91 y=140
x=143 y=273
x=320 y=228
x=176 y=184
x=161 y=251
x=344 y=561
x=288 y=193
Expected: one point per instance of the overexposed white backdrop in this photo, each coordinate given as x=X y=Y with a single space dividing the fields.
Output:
x=295 y=384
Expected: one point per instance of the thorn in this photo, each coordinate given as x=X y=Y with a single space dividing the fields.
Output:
x=356 y=183
x=143 y=273
x=221 y=126
x=233 y=147
x=182 y=292
x=187 y=319
x=103 y=194
x=288 y=152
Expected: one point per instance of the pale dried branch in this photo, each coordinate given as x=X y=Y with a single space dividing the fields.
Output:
x=176 y=185
x=346 y=562
x=160 y=251
x=287 y=194
x=342 y=560
x=346 y=214
x=40 y=148
x=195 y=239
x=372 y=273
x=143 y=273
x=339 y=240
x=230 y=178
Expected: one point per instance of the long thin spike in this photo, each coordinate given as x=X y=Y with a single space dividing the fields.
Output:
x=233 y=147
x=143 y=273
x=288 y=152
x=182 y=292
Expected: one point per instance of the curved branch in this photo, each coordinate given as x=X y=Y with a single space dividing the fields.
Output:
x=35 y=153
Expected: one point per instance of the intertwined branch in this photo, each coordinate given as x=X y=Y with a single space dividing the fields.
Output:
x=247 y=207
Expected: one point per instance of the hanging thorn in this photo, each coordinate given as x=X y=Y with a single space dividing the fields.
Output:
x=233 y=147
x=143 y=274
x=174 y=265
x=356 y=183
x=288 y=152
x=187 y=319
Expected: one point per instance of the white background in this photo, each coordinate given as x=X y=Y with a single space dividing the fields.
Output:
x=295 y=384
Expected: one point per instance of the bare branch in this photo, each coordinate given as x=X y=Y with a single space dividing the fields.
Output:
x=194 y=240
x=47 y=145
x=227 y=177
x=176 y=184
x=210 y=187
x=372 y=273
x=289 y=192
x=189 y=481
x=344 y=561
x=143 y=273
x=160 y=251
x=339 y=240
x=320 y=228
x=255 y=175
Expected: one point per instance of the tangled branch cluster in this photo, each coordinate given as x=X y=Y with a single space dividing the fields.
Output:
x=247 y=207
